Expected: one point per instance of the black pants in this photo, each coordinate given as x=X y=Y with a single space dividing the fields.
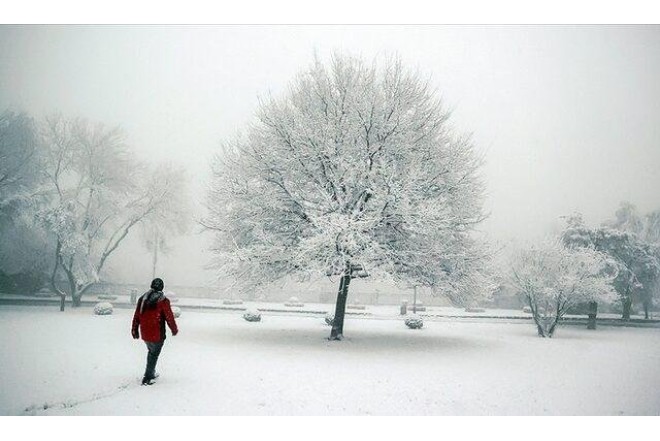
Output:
x=152 y=358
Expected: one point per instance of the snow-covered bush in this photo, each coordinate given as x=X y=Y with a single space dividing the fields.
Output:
x=293 y=301
x=176 y=311
x=329 y=319
x=252 y=316
x=103 y=308
x=414 y=322
x=553 y=279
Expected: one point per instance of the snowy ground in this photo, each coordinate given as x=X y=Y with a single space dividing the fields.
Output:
x=75 y=363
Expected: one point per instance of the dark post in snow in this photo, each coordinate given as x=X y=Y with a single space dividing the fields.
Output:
x=593 y=311
x=415 y=299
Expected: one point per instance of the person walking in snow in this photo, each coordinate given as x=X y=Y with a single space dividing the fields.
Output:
x=153 y=310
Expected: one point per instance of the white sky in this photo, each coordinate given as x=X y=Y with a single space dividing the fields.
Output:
x=567 y=115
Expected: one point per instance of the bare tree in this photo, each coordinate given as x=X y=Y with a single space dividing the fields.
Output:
x=99 y=192
x=354 y=172
x=162 y=225
x=553 y=278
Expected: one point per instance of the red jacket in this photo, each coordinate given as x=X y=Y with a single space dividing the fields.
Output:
x=152 y=312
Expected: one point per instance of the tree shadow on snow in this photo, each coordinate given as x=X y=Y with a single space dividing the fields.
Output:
x=355 y=340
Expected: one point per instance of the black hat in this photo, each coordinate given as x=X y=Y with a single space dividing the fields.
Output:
x=157 y=284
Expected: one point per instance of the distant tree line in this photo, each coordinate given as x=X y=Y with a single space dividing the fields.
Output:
x=616 y=264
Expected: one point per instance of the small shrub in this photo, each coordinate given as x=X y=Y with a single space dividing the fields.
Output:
x=176 y=311
x=252 y=316
x=527 y=309
x=414 y=322
x=103 y=308
x=107 y=297
x=329 y=319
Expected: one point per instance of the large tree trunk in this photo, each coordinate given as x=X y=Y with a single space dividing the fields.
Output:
x=544 y=328
x=76 y=300
x=593 y=312
x=540 y=326
x=551 y=331
x=627 y=306
x=76 y=294
x=337 y=332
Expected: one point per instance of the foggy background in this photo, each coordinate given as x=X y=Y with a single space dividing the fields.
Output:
x=566 y=116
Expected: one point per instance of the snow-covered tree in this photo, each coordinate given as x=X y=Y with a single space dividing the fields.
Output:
x=645 y=231
x=652 y=227
x=19 y=160
x=626 y=240
x=162 y=225
x=553 y=278
x=626 y=218
x=354 y=172
x=23 y=264
x=99 y=192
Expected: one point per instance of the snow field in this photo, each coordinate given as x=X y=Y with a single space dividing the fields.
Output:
x=75 y=363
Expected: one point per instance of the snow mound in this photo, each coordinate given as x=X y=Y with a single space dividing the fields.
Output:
x=293 y=301
x=329 y=319
x=103 y=308
x=252 y=316
x=172 y=297
x=414 y=322
x=176 y=311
